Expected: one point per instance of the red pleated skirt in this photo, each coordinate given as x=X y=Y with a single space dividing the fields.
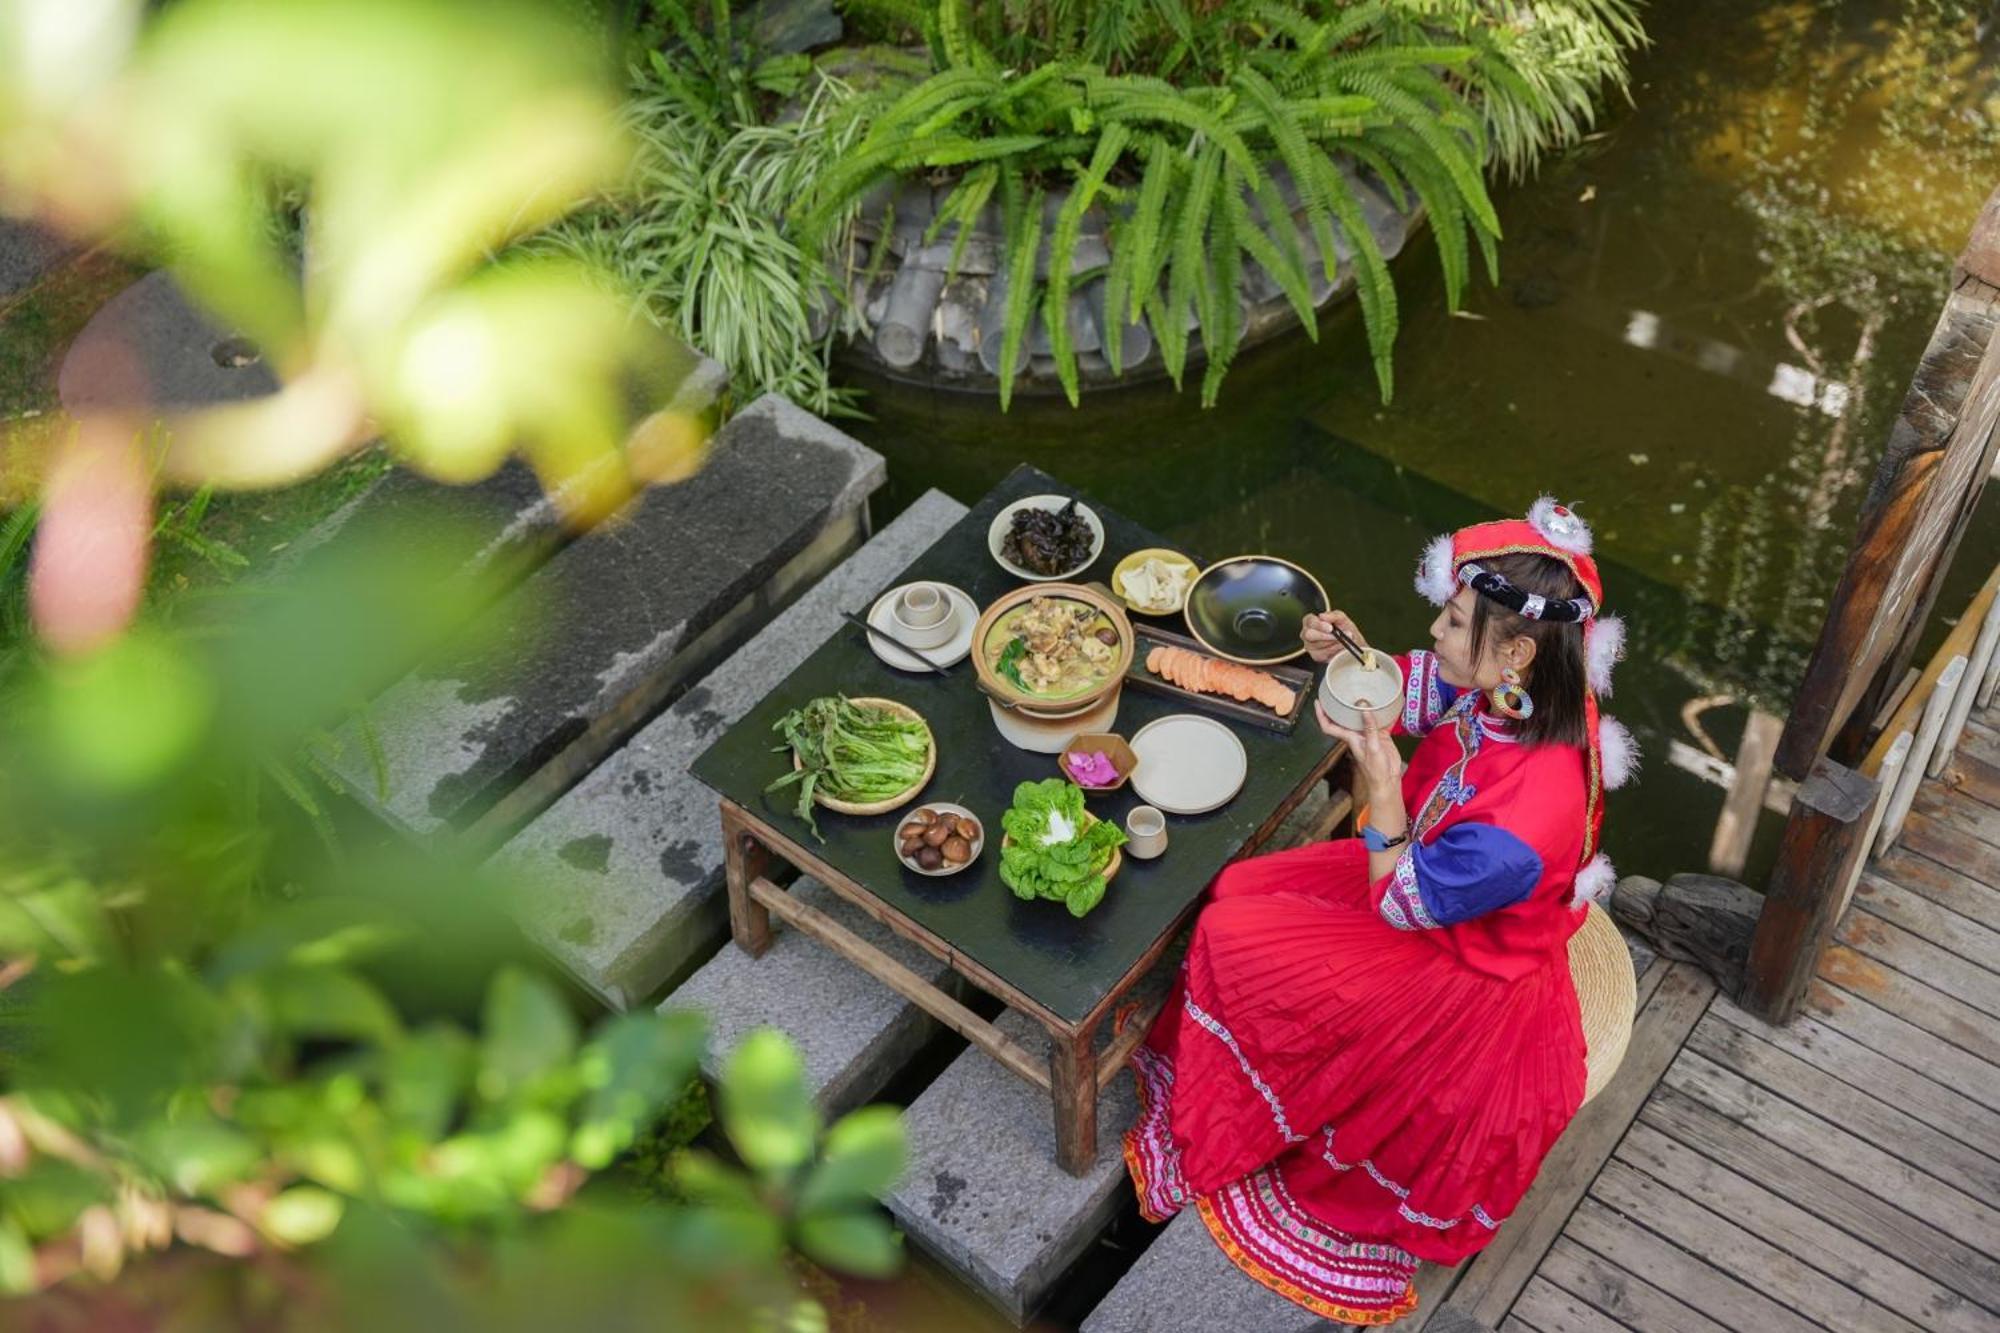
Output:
x=1342 y=1099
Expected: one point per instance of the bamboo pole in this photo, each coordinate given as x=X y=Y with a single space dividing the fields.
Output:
x=1975 y=675
x=1919 y=758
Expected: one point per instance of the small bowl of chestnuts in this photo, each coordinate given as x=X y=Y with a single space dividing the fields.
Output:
x=939 y=839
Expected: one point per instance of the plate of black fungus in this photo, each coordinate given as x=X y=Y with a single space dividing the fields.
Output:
x=1046 y=537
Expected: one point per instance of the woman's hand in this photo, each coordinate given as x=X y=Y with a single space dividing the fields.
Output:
x=1376 y=760
x=1317 y=634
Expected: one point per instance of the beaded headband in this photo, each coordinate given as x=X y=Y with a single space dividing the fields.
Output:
x=1531 y=605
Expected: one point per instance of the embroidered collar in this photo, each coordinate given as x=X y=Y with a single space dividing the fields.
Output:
x=1492 y=728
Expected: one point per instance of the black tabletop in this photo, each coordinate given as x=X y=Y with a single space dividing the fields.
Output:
x=1066 y=964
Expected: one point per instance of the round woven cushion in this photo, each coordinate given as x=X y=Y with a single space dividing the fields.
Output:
x=1607 y=993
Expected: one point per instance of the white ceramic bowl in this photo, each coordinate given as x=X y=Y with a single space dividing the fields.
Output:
x=1345 y=686
x=1003 y=522
x=936 y=604
x=943 y=808
x=1052 y=735
x=935 y=634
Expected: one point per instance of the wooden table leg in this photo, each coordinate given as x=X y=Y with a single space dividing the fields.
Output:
x=1073 y=1081
x=744 y=859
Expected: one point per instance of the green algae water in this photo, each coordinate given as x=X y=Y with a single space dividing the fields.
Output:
x=1706 y=318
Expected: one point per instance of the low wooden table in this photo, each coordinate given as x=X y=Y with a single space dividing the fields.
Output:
x=1065 y=973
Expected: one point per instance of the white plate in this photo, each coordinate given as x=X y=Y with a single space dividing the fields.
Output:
x=1188 y=764
x=1004 y=521
x=949 y=653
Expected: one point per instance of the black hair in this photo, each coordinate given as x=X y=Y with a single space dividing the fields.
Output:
x=1556 y=679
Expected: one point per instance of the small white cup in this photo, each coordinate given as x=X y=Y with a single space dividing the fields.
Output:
x=925 y=616
x=1145 y=832
x=923 y=605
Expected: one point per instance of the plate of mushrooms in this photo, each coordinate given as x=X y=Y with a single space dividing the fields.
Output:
x=939 y=839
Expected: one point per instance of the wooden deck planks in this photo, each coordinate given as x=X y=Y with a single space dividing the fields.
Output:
x=1826 y=1195
x=1894 y=1131
x=1816 y=1243
x=1626 y=1297
x=1904 y=1042
x=1922 y=916
x=1947 y=867
x=1549 y=1309
x=1975 y=818
x=1935 y=1103
x=1871 y=936
x=1852 y=1158
x=1632 y=1246
x=1490 y=1283
x=1913 y=1001
x=1719 y=1242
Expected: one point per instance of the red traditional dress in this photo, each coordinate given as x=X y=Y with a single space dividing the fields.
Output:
x=1354 y=1075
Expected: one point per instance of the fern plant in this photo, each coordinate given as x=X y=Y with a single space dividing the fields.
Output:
x=700 y=235
x=1189 y=122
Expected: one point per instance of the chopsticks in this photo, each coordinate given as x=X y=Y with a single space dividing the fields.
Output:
x=1365 y=656
x=889 y=638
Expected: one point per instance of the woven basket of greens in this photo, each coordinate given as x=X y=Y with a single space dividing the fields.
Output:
x=858 y=756
x=1054 y=848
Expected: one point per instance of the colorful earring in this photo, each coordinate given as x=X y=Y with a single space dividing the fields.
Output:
x=1509 y=698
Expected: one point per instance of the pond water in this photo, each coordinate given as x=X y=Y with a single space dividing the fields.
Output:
x=1705 y=322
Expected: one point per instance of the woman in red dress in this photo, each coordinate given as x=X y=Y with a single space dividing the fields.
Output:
x=1374 y=1041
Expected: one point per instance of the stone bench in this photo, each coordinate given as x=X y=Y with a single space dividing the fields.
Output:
x=982 y=1190
x=622 y=876
x=854 y=1033
x=562 y=668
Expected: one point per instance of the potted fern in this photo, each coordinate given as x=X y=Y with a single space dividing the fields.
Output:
x=1192 y=175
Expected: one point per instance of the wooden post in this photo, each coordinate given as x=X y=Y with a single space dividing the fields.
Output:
x=1939 y=454
x=1824 y=840
x=745 y=859
x=1073 y=1079
x=1737 y=824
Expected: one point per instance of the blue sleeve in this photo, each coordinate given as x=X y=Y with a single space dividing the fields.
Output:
x=1470 y=870
x=1426 y=696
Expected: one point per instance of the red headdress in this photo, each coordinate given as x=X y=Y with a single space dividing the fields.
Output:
x=1551 y=530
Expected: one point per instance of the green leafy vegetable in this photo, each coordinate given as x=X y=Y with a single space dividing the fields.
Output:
x=1057 y=850
x=851 y=752
x=1009 y=664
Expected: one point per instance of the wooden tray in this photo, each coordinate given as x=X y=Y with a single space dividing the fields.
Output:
x=1298 y=680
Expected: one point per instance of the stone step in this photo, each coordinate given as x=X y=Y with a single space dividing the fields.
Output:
x=501 y=527
x=26 y=253
x=1184 y=1283
x=557 y=673
x=623 y=875
x=854 y=1032
x=983 y=1192
x=151 y=348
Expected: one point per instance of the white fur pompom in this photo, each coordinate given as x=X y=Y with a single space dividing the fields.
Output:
x=1594 y=882
x=1435 y=580
x=1563 y=529
x=1603 y=648
x=1618 y=751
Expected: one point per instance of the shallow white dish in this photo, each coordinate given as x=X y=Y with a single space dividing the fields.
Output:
x=1188 y=764
x=1052 y=735
x=949 y=653
x=946 y=807
x=1004 y=521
